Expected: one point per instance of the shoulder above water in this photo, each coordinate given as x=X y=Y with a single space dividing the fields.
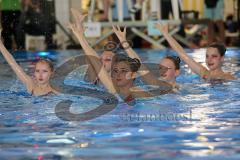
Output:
x=208 y=75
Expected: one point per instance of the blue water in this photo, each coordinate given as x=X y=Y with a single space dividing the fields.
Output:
x=200 y=121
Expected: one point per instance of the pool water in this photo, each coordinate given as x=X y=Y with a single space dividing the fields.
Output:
x=200 y=121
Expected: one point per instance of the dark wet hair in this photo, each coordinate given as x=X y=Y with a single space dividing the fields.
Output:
x=134 y=63
x=47 y=61
x=176 y=61
x=220 y=47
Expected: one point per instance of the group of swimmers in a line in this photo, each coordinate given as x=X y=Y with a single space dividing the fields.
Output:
x=120 y=70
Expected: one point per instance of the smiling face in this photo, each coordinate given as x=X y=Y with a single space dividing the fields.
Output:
x=213 y=58
x=106 y=59
x=42 y=73
x=171 y=72
x=122 y=75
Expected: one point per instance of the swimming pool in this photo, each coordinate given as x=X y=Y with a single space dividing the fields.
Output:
x=201 y=121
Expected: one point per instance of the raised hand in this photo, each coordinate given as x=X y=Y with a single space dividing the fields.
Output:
x=120 y=34
x=77 y=27
x=162 y=28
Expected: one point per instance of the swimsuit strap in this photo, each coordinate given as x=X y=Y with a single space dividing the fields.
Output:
x=129 y=98
x=96 y=82
x=205 y=76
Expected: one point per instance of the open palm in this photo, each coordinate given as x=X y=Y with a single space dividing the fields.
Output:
x=120 y=34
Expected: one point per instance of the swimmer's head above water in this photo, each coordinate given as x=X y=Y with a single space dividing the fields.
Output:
x=215 y=56
x=124 y=70
x=43 y=71
x=109 y=50
x=170 y=65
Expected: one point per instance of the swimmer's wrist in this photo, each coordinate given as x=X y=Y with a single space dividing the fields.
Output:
x=126 y=44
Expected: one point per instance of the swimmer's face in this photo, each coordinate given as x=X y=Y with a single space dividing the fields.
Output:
x=213 y=59
x=169 y=67
x=106 y=59
x=42 y=73
x=122 y=74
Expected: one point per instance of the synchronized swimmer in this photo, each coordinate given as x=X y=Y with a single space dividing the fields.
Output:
x=169 y=66
x=123 y=68
x=38 y=85
x=214 y=58
x=120 y=70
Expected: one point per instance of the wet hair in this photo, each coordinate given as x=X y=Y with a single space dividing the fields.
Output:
x=176 y=61
x=47 y=61
x=134 y=63
x=220 y=47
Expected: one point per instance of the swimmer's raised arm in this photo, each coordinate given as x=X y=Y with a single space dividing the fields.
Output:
x=15 y=67
x=147 y=76
x=195 y=66
x=78 y=30
x=123 y=40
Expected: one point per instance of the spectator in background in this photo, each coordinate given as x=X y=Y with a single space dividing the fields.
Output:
x=230 y=24
x=33 y=22
x=106 y=4
x=166 y=11
x=232 y=27
x=213 y=10
x=10 y=14
x=137 y=6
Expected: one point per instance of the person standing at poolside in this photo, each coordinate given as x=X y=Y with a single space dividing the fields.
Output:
x=10 y=14
x=214 y=10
